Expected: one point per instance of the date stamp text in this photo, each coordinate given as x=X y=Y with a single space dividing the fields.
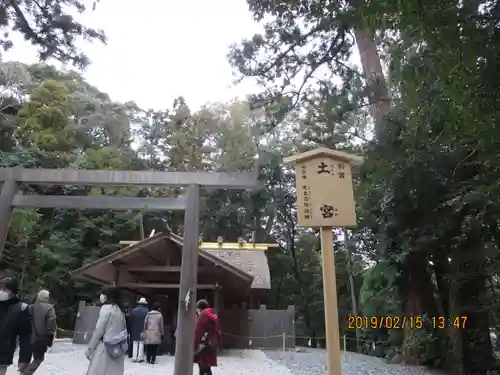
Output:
x=402 y=322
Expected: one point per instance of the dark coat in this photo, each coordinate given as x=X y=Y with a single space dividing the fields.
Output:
x=137 y=322
x=43 y=317
x=127 y=322
x=15 y=322
x=207 y=323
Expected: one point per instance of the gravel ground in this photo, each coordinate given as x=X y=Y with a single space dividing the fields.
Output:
x=313 y=362
x=68 y=359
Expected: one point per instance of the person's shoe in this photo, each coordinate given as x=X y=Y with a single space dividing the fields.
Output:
x=134 y=360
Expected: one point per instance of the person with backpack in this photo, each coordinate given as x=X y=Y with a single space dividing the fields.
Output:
x=206 y=338
x=15 y=324
x=43 y=317
x=108 y=346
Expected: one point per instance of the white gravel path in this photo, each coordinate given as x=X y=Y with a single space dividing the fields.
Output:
x=68 y=359
x=313 y=362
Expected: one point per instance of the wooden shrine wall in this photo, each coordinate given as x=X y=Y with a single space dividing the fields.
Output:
x=241 y=329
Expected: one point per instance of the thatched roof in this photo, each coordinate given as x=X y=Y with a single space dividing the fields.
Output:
x=253 y=262
x=236 y=267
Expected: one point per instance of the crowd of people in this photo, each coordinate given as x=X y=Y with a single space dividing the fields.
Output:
x=146 y=332
x=139 y=333
x=31 y=327
x=118 y=333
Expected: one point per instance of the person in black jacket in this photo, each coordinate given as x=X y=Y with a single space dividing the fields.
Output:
x=15 y=324
x=127 y=321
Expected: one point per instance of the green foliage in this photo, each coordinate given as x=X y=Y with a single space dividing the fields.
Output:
x=427 y=209
x=50 y=26
x=379 y=296
x=65 y=122
x=44 y=119
x=297 y=59
x=379 y=292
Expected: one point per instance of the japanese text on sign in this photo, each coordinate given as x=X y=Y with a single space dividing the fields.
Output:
x=307 y=202
x=306 y=196
x=328 y=211
x=335 y=168
x=324 y=193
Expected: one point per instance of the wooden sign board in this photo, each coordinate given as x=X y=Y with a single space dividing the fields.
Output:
x=324 y=187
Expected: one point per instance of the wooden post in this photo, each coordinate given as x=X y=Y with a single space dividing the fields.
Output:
x=218 y=307
x=291 y=331
x=186 y=317
x=330 y=298
x=116 y=276
x=141 y=226
x=326 y=209
x=217 y=299
x=9 y=190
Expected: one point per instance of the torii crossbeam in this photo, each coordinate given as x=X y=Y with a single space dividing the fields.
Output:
x=12 y=177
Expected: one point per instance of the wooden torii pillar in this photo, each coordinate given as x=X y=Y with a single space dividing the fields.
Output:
x=9 y=190
x=11 y=177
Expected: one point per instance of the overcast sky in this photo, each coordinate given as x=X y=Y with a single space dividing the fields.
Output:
x=161 y=49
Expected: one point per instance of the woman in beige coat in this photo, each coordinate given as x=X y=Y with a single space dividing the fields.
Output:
x=110 y=327
x=154 y=330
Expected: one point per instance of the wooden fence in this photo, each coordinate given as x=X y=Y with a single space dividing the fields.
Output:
x=241 y=329
x=85 y=323
x=262 y=328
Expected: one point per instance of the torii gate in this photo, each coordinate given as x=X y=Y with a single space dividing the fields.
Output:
x=12 y=177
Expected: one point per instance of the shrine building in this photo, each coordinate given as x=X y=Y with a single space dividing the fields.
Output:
x=234 y=278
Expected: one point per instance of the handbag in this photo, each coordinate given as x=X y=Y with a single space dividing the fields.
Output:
x=206 y=342
x=116 y=346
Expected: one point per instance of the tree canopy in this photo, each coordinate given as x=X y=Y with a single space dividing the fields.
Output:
x=422 y=109
x=425 y=193
x=50 y=26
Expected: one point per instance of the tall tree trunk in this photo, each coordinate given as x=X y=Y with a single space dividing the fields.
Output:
x=378 y=92
x=476 y=348
x=448 y=305
x=441 y=271
x=455 y=361
x=417 y=287
x=417 y=291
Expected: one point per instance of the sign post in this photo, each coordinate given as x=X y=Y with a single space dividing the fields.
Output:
x=325 y=200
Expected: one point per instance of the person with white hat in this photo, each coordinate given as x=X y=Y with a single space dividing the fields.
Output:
x=137 y=319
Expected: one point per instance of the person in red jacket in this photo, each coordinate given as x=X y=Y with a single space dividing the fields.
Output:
x=207 y=338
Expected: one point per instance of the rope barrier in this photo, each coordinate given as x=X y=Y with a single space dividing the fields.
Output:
x=284 y=337
x=255 y=337
x=287 y=335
